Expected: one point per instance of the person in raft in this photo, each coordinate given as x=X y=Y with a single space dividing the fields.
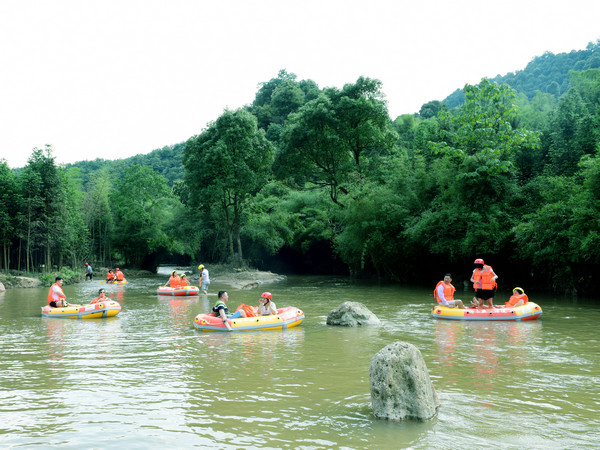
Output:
x=183 y=280
x=56 y=296
x=120 y=276
x=101 y=297
x=204 y=279
x=90 y=272
x=518 y=298
x=444 y=293
x=266 y=307
x=110 y=276
x=220 y=308
x=484 y=283
x=175 y=280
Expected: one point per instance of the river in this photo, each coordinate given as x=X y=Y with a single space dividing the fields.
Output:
x=148 y=379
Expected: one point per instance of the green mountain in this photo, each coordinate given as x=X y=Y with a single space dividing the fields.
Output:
x=548 y=73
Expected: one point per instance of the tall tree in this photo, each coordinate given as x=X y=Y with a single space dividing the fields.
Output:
x=9 y=201
x=324 y=143
x=228 y=163
x=139 y=201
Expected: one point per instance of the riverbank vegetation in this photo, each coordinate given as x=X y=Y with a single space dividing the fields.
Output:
x=322 y=180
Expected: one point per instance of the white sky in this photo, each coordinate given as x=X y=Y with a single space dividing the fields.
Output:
x=114 y=78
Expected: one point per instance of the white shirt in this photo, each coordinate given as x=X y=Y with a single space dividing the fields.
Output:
x=262 y=311
x=205 y=276
x=440 y=293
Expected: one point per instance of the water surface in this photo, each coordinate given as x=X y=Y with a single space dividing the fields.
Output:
x=146 y=378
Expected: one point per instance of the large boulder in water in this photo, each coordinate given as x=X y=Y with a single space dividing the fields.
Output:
x=352 y=314
x=400 y=384
x=2 y=288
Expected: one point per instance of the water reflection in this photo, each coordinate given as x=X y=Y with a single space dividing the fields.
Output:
x=493 y=350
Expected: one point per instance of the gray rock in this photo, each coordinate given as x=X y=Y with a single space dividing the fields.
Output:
x=2 y=288
x=26 y=282
x=401 y=388
x=352 y=314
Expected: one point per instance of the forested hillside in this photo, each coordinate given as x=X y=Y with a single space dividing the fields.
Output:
x=547 y=74
x=322 y=180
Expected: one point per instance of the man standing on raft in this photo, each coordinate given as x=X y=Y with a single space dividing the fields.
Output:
x=484 y=283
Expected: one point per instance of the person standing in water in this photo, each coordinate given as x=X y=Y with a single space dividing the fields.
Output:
x=204 y=279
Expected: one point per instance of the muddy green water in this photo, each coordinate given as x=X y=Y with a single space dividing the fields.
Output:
x=147 y=379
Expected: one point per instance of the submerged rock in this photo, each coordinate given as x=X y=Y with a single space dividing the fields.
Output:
x=352 y=314
x=401 y=388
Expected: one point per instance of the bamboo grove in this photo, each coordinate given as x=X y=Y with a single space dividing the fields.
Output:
x=322 y=180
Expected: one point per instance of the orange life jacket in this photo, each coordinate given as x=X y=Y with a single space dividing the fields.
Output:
x=174 y=281
x=249 y=310
x=449 y=291
x=515 y=298
x=184 y=282
x=100 y=299
x=120 y=276
x=110 y=275
x=484 y=276
x=60 y=296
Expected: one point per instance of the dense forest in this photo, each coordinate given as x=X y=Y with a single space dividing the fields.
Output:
x=321 y=180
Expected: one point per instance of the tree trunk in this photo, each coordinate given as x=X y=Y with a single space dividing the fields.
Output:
x=236 y=225
x=229 y=235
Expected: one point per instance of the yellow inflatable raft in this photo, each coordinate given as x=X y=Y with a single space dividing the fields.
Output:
x=91 y=311
x=286 y=318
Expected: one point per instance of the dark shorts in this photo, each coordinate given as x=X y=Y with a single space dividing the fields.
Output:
x=53 y=305
x=485 y=293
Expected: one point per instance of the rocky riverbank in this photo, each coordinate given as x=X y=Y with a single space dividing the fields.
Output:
x=235 y=278
x=247 y=279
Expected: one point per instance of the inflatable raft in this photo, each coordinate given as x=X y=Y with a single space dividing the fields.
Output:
x=185 y=290
x=529 y=311
x=117 y=282
x=286 y=318
x=91 y=311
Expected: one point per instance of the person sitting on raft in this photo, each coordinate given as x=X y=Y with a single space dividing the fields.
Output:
x=518 y=298
x=444 y=293
x=56 y=296
x=266 y=306
x=220 y=308
x=119 y=275
x=101 y=297
x=175 y=280
x=110 y=276
x=183 y=280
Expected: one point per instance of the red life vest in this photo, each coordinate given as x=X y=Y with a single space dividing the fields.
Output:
x=110 y=276
x=249 y=310
x=449 y=291
x=515 y=298
x=59 y=296
x=484 y=276
x=120 y=276
x=174 y=281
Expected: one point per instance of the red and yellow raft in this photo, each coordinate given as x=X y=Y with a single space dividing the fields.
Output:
x=178 y=291
x=529 y=311
x=91 y=311
x=286 y=317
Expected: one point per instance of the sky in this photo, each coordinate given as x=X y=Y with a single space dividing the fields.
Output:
x=112 y=79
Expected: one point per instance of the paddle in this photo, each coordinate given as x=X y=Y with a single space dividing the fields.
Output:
x=102 y=281
x=227 y=325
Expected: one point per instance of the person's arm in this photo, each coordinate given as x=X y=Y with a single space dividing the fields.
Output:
x=222 y=314
x=440 y=293
x=472 y=279
x=273 y=308
x=495 y=277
